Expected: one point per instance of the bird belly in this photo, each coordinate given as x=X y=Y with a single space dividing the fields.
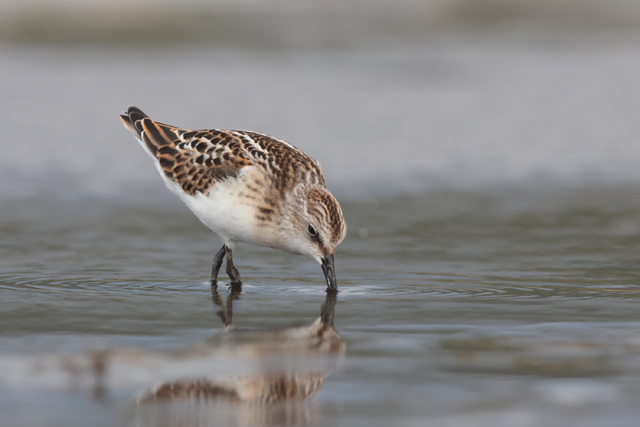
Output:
x=227 y=213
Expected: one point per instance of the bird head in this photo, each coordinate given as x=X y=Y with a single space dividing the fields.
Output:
x=319 y=227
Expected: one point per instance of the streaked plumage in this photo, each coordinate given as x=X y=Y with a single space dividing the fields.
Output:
x=246 y=187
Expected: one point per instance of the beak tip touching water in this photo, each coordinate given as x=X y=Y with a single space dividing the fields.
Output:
x=329 y=272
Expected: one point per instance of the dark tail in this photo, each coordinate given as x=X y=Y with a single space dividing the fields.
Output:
x=132 y=120
x=153 y=134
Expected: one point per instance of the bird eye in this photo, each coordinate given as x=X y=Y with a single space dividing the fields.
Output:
x=312 y=231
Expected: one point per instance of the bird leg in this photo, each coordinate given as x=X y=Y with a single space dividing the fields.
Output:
x=232 y=272
x=217 y=262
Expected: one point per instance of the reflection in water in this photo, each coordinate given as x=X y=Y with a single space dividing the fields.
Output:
x=226 y=311
x=236 y=377
x=289 y=364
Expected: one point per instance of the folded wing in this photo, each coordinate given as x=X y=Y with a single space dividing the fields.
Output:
x=195 y=160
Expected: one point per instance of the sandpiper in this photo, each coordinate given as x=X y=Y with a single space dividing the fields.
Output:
x=246 y=187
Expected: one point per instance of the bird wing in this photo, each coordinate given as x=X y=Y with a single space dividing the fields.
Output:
x=198 y=159
x=281 y=161
x=195 y=160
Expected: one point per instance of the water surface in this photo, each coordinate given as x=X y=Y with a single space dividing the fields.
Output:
x=489 y=275
x=456 y=307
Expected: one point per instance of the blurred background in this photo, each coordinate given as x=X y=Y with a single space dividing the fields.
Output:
x=470 y=92
x=485 y=152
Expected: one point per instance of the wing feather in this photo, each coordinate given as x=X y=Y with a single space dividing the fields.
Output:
x=198 y=159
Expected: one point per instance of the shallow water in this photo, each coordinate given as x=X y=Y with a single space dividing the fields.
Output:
x=457 y=307
x=498 y=288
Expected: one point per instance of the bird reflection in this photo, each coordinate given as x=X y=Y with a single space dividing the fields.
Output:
x=226 y=311
x=286 y=364
x=254 y=377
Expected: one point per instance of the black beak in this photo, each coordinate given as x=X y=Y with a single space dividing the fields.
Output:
x=329 y=272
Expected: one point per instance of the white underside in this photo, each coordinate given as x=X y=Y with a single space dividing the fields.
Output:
x=231 y=216
x=222 y=211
